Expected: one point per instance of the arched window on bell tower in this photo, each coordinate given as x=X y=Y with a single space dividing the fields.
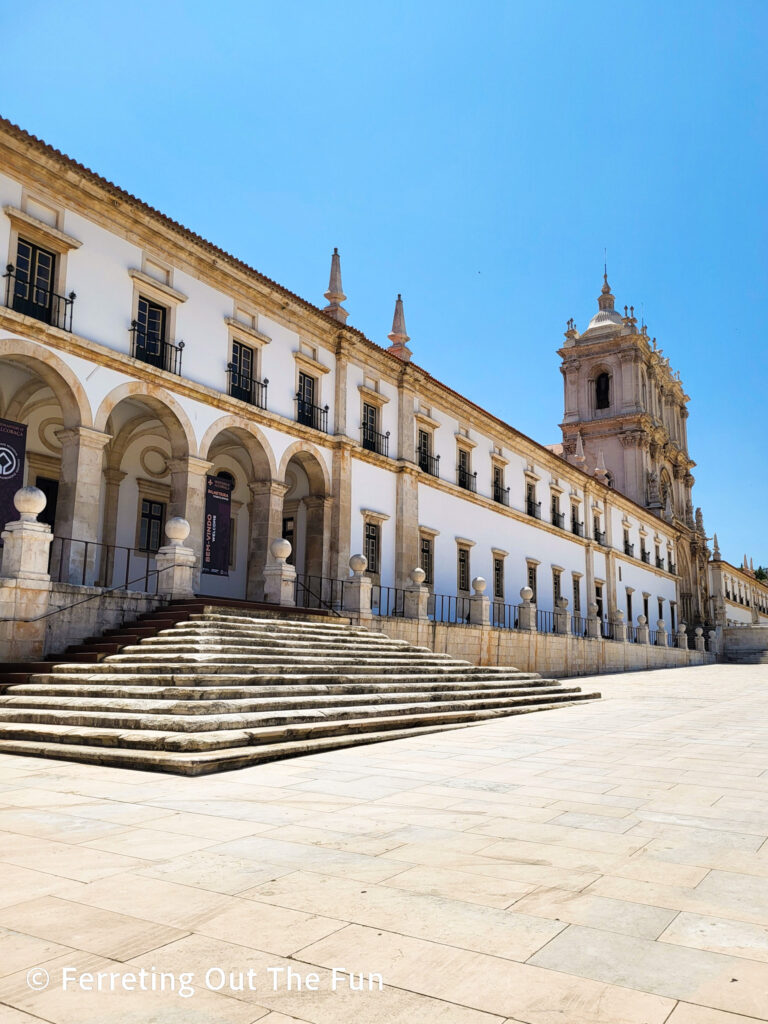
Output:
x=603 y=391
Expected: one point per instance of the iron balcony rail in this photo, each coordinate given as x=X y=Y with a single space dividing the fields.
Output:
x=150 y=347
x=629 y=550
x=652 y=634
x=606 y=629
x=645 y=556
x=558 y=519
x=659 y=563
x=24 y=296
x=446 y=608
x=672 y=567
x=387 y=601
x=545 y=621
x=466 y=479
x=373 y=441
x=578 y=625
x=577 y=528
x=533 y=508
x=311 y=415
x=632 y=634
x=504 y=616
x=501 y=494
x=319 y=592
x=429 y=463
x=600 y=537
x=247 y=389
x=89 y=563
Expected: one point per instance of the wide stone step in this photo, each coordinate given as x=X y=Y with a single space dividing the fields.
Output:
x=269 y=702
x=200 y=669
x=172 y=652
x=275 y=732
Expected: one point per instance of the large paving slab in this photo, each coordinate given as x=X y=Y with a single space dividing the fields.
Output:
x=602 y=864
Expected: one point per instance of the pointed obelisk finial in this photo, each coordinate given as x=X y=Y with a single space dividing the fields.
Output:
x=398 y=335
x=579 y=458
x=716 y=551
x=601 y=473
x=335 y=294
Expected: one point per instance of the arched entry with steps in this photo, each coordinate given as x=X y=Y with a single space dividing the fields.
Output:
x=306 y=510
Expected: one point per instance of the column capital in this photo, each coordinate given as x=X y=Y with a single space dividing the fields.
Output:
x=190 y=463
x=277 y=488
x=114 y=476
x=83 y=436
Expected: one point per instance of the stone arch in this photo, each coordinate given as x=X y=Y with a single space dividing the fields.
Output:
x=253 y=440
x=307 y=505
x=70 y=393
x=311 y=462
x=168 y=411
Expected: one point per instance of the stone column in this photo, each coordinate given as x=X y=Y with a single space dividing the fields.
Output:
x=681 y=637
x=112 y=480
x=619 y=626
x=79 y=501
x=341 y=511
x=416 y=597
x=561 y=616
x=593 y=622
x=279 y=576
x=25 y=586
x=479 y=603
x=176 y=564
x=266 y=524
x=357 y=588
x=661 y=633
x=188 y=499
x=526 y=612
x=643 y=633
x=316 y=551
x=406 y=523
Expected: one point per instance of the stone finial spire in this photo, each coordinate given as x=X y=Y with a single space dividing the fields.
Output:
x=335 y=293
x=606 y=299
x=398 y=335
x=601 y=473
x=716 y=553
x=579 y=458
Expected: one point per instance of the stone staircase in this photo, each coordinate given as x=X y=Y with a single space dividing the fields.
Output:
x=213 y=688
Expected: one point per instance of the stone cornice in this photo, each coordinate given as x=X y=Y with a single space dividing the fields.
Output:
x=57 y=239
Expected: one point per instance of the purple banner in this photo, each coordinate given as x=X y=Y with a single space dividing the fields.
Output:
x=216 y=526
x=13 y=444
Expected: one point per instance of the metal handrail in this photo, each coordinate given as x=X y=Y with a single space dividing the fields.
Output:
x=105 y=554
x=501 y=494
x=55 y=309
x=373 y=441
x=247 y=389
x=304 y=584
x=387 y=601
x=429 y=463
x=466 y=479
x=152 y=348
x=311 y=415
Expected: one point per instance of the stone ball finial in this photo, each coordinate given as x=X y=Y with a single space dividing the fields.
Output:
x=177 y=530
x=358 y=564
x=660 y=625
x=699 y=631
x=681 y=629
x=29 y=502
x=641 y=620
x=417 y=576
x=526 y=593
x=280 y=549
x=619 y=615
x=592 y=609
x=479 y=584
x=562 y=602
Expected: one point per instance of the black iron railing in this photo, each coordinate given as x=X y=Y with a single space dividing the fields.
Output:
x=545 y=621
x=558 y=519
x=429 y=463
x=89 y=563
x=577 y=528
x=388 y=601
x=446 y=608
x=632 y=634
x=600 y=537
x=672 y=567
x=645 y=556
x=501 y=494
x=504 y=616
x=606 y=629
x=150 y=347
x=659 y=563
x=578 y=625
x=319 y=592
x=373 y=441
x=652 y=634
x=629 y=550
x=247 y=389
x=311 y=415
x=533 y=508
x=466 y=479
x=24 y=296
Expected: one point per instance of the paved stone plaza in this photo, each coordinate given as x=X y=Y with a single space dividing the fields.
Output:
x=601 y=863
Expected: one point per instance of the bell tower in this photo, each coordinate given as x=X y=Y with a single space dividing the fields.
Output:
x=624 y=420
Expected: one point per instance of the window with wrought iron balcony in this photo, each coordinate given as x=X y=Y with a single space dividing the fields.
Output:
x=428 y=462
x=500 y=494
x=558 y=519
x=659 y=562
x=243 y=383
x=29 y=287
x=149 y=343
x=600 y=537
x=645 y=556
x=373 y=441
x=308 y=412
x=629 y=549
x=533 y=508
x=466 y=479
x=577 y=528
x=672 y=567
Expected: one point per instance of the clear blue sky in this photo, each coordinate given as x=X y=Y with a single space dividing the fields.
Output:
x=477 y=157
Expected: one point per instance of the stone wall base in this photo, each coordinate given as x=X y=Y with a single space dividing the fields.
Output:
x=91 y=618
x=549 y=654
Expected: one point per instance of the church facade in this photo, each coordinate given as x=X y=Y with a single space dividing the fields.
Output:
x=146 y=373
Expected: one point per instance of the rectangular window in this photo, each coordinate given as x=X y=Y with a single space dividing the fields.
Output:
x=645 y=607
x=33 y=287
x=372 y=546
x=464 y=467
x=595 y=526
x=426 y=559
x=243 y=364
x=629 y=608
x=498 y=578
x=289 y=534
x=532 y=581
x=50 y=489
x=463 y=569
x=576 y=595
x=498 y=479
x=673 y=616
x=661 y=609
x=149 y=344
x=599 y=600
x=152 y=523
x=556 y=587
x=370 y=426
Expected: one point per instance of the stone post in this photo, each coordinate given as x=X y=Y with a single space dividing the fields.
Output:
x=714 y=644
x=176 y=564
x=416 y=596
x=661 y=633
x=279 y=576
x=701 y=644
x=682 y=637
x=79 y=502
x=562 y=618
x=188 y=498
x=357 y=588
x=526 y=612
x=479 y=603
x=25 y=586
x=643 y=633
x=593 y=622
x=266 y=520
x=619 y=626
